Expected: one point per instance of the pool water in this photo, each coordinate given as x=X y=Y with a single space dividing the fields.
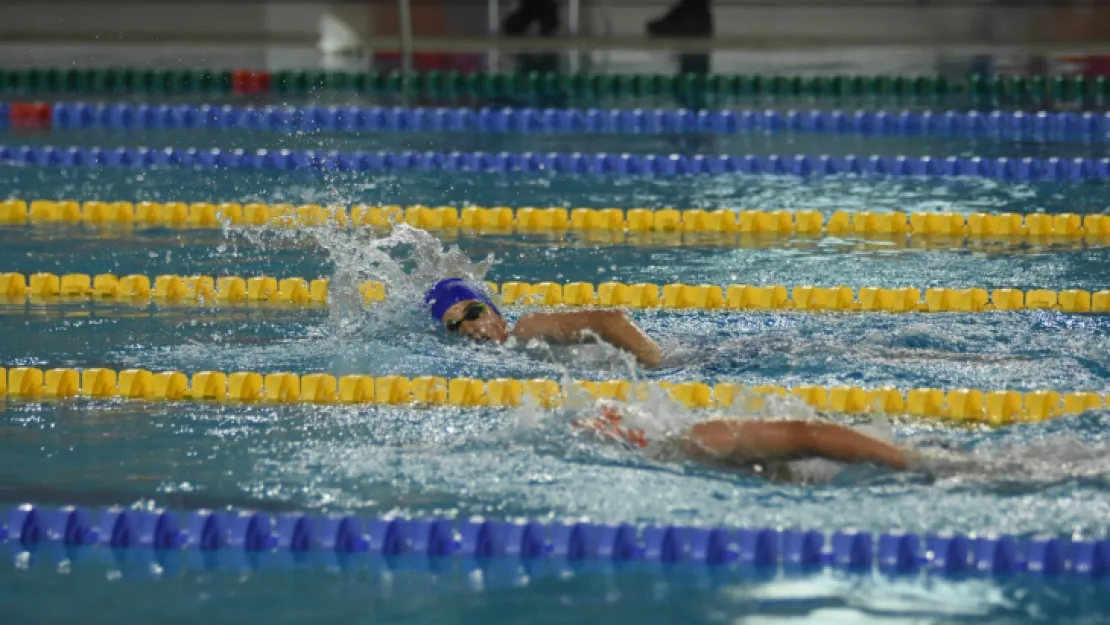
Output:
x=499 y=591
x=1028 y=479
x=755 y=142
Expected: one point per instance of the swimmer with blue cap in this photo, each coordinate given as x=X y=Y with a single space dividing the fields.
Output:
x=464 y=308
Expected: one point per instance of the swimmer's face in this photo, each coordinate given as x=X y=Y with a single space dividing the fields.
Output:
x=476 y=320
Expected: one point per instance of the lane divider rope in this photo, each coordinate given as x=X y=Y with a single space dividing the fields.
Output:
x=162 y=534
x=998 y=89
x=996 y=407
x=999 y=125
x=1028 y=169
x=211 y=291
x=555 y=219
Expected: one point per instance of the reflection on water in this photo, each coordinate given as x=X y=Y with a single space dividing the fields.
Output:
x=105 y=588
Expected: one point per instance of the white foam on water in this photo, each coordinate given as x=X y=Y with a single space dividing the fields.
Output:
x=1055 y=458
x=664 y=420
x=407 y=260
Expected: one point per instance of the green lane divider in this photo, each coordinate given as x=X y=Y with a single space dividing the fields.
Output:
x=117 y=81
x=995 y=90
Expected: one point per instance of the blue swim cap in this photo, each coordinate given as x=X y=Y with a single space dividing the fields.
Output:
x=447 y=293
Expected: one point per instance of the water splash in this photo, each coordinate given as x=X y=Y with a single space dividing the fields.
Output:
x=1019 y=464
x=664 y=420
x=407 y=260
x=653 y=409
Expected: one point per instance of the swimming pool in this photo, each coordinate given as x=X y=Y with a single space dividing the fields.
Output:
x=1030 y=479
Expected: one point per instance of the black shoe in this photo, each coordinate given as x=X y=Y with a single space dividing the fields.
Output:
x=548 y=18
x=682 y=22
x=517 y=22
x=544 y=12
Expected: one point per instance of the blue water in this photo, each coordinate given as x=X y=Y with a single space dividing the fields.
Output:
x=405 y=592
x=741 y=143
x=1046 y=478
x=526 y=189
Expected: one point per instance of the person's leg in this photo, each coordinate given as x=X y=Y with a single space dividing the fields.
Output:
x=688 y=18
x=544 y=12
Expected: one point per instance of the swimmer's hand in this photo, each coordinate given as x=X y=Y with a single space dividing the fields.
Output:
x=745 y=441
x=608 y=428
x=612 y=326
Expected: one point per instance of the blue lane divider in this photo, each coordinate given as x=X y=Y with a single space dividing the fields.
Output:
x=1002 y=168
x=998 y=125
x=247 y=532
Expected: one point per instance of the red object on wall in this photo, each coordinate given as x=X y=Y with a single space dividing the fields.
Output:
x=435 y=61
x=1091 y=65
x=1097 y=66
x=30 y=115
x=249 y=83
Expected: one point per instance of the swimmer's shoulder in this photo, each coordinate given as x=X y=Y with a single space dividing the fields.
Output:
x=559 y=325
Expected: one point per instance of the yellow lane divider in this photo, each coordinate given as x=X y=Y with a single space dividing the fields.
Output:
x=531 y=219
x=209 y=290
x=138 y=289
x=966 y=405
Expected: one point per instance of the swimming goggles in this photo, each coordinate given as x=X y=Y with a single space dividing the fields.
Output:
x=472 y=313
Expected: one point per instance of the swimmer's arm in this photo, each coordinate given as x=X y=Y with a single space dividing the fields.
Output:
x=754 y=441
x=613 y=326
